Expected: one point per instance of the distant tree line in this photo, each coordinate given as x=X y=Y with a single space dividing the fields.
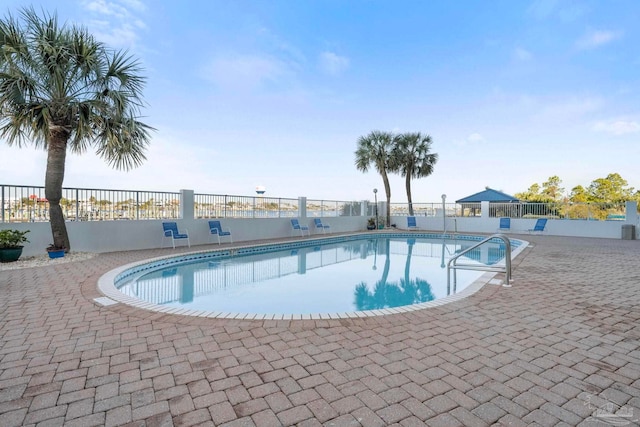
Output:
x=606 y=194
x=612 y=189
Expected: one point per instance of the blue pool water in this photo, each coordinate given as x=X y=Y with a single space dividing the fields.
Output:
x=341 y=276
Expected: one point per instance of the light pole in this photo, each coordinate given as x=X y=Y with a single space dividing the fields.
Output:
x=444 y=214
x=375 y=196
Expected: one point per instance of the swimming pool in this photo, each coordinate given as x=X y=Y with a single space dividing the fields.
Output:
x=343 y=276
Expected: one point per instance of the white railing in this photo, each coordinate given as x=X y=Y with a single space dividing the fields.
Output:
x=585 y=211
x=21 y=203
x=435 y=209
x=588 y=211
x=226 y=206
x=332 y=208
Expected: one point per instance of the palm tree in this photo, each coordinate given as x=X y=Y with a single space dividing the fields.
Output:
x=376 y=149
x=412 y=157
x=60 y=89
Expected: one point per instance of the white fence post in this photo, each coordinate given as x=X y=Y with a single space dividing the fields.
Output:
x=187 y=204
x=631 y=214
x=484 y=209
x=302 y=207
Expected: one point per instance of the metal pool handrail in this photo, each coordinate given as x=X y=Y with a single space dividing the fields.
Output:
x=453 y=265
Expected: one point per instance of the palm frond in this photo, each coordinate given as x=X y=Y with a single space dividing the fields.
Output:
x=374 y=149
x=122 y=144
x=58 y=76
x=412 y=155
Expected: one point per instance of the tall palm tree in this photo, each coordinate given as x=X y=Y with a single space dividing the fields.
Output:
x=412 y=157
x=375 y=149
x=60 y=90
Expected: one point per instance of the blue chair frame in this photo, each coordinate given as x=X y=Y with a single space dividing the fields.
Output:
x=295 y=225
x=411 y=223
x=539 y=227
x=170 y=230
x=320 y=226
x=215 y=228
x=505 y=224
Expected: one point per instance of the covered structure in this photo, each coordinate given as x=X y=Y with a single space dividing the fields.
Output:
x=497 y=200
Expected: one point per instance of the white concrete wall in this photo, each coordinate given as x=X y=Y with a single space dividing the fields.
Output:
x=110 y=236
x=555 y=227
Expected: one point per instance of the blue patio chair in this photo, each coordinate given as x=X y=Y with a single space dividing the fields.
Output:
x=170 y=230
x=215 y=228
x=539 y=227
x=411 y=223
x=505 y=224
x=320 y=225
x=295 y=225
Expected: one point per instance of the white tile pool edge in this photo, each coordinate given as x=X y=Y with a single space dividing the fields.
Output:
x=106 y=285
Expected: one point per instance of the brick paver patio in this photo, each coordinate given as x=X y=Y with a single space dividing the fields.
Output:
x=559 y=344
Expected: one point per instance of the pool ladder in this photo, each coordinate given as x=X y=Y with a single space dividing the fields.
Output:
x=506 y=268
x=455 y=228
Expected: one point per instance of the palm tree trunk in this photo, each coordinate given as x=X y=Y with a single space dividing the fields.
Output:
x=56 y=156
x=387 y=189
x=408 y=186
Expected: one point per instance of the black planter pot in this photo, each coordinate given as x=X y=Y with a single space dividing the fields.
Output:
x=10 y=254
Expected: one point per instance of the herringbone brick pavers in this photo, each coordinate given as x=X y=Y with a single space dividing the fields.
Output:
x=559 y=345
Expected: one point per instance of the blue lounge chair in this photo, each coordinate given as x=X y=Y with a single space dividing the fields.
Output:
x=539 y=227
x=170 y=230
x=295 y=225
x=215 y=228
x=411 y=223
x=505 y=224
x=320 y=225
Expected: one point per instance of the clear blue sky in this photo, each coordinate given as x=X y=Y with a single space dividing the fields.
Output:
x=276 y=93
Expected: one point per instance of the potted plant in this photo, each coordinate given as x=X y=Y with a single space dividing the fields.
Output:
x=10 y=244
x=55 y=252
x=371 y=224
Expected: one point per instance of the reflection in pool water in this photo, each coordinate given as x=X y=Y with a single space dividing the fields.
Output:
x=365 y=274
x=386 y=294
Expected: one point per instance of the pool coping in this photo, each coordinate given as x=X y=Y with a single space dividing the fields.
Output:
x=112 y=296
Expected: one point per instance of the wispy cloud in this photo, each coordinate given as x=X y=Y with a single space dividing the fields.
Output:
x=570 y=108
x=115 y=22
x=332 y=63
x=280 y=47
x=595 y=39
x=472 y=139
x=475 y=138
x=246 y=72
x=563 y=10
x=135 y=4
x=521 y=54
x=617 y=127
x=542 y=8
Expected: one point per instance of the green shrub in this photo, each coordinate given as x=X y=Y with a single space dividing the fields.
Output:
x=12 y=238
